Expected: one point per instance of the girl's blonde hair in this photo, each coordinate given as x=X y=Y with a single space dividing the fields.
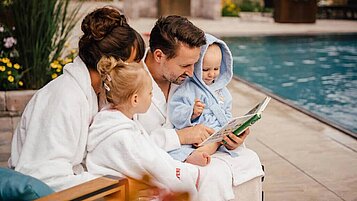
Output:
x=120 y=79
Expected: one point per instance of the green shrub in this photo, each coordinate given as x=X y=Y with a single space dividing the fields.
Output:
x=230 y=8
x=250 y=6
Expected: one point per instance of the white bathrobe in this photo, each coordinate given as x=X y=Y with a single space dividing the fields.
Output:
x=223 y=171
x=120 y=146
x=49 y=142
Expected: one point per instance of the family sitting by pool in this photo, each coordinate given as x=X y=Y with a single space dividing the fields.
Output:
x=112 y=113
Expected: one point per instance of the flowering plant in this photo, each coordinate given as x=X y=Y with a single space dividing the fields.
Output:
x=7 y=42
x=10 y=75
x=57 y=65
x=11 y=72
x=230 y=8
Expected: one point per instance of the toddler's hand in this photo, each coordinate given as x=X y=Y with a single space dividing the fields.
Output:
x=197 y=109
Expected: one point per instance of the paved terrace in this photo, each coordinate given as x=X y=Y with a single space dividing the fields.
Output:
x=304 y=159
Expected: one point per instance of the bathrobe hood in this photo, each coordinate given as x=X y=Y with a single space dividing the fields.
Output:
x=104 y=127
x=226 y=71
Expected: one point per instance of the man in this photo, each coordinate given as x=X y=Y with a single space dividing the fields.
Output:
x=174 y=49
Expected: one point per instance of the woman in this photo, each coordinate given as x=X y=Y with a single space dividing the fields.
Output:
x=49 y=142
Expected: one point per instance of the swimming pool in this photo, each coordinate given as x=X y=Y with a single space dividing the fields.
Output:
x=315 y=72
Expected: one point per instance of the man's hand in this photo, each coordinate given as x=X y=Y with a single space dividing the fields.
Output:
x=197 y=109
x=195 y=134
x=233 y=141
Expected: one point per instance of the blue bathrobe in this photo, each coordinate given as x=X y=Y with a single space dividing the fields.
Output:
x=216 y=97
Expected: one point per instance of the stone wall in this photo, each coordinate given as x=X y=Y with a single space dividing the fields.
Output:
x=208 y=9
x=140 y=8
x=12 y=104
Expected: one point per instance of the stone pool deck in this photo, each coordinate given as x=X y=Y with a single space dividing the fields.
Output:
x=304 y=159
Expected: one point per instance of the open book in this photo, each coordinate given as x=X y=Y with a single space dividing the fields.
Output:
x=238 y=125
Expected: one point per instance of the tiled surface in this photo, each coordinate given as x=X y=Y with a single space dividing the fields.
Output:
x=302 y=162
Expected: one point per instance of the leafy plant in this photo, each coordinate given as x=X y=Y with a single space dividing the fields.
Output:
x=230 y=8
x=250 y=6
x=42 y=28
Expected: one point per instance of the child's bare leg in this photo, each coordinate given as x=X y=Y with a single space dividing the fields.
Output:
x=201 y=156
x=198 y=158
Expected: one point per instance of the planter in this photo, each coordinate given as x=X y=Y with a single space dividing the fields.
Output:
x=12 y=104
x=295 y=11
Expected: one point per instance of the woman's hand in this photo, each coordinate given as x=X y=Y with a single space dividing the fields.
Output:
x=233 y=141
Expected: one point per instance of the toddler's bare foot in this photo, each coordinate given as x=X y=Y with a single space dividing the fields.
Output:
x=199 y=158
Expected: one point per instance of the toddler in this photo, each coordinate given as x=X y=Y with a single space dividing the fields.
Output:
x=204 y=99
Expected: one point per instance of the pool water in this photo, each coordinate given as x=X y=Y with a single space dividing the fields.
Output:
x=315 y=72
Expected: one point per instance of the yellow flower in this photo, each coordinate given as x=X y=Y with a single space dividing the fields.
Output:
x=67 y=60
x=9 y=72
x=58 y=70
x=21 y=83
x=2 y=68
x=54 y=75
x=10 y=78
x=5 y=60
x=73 y=51
x=9 y=64
x=53 y=65
x=17 y=66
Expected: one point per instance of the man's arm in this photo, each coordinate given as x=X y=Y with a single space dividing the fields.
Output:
x=195 y=134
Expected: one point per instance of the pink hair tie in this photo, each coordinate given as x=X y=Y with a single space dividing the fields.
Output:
x=106 y=87
x=109 y=78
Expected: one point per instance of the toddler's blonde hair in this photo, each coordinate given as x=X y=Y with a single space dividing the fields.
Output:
x=121 y=80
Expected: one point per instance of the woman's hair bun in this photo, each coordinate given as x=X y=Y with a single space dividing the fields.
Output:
x=101 y=22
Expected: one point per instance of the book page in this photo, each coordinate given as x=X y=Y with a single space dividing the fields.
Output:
x=241 y=123
x=231 y=126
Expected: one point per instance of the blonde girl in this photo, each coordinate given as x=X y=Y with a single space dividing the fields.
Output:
x=118 y=145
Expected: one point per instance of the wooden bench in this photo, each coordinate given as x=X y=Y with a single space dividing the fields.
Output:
x=102 y=188
x=109 y=188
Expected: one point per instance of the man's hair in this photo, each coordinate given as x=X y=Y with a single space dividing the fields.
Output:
x=170 y=31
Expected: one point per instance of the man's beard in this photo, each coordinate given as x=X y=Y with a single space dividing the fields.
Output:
x=180 y=79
